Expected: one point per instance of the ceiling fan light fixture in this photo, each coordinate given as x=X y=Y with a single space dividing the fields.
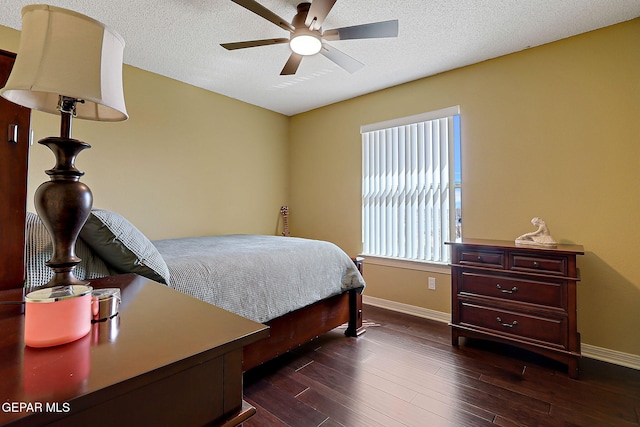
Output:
x=305 y=44
x=307 y=37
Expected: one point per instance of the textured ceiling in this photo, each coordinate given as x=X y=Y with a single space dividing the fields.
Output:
x=181 y=39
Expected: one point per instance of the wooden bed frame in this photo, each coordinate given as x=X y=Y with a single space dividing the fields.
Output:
x=298 y=327
x=286 y=332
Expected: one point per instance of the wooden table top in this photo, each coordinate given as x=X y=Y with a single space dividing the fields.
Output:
x=157 y=327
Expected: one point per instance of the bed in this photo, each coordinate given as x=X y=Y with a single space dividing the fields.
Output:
x=299 y=287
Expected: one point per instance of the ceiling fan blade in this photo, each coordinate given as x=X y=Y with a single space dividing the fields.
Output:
x=292 y=64
x=260 y=10
x=342 y=59
x=317 y=13
x=364 y=31
x=252 y=43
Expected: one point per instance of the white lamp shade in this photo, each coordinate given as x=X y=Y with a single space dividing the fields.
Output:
x=65 y=53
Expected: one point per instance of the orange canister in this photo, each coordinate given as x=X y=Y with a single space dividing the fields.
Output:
x=57 y=315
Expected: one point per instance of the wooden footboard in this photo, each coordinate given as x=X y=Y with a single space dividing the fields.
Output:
x=298 y=327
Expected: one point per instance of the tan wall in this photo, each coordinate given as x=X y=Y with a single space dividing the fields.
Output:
x=187 y=162
x=551 y=131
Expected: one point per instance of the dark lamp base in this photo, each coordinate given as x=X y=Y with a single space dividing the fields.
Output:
x=64 y=204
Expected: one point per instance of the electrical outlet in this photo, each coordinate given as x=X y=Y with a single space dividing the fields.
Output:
x=432 y=283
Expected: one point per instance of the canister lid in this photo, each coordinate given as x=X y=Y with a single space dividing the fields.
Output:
x=103 y=294
x=58 y=293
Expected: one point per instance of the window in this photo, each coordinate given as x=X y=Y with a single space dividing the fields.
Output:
x=411 y=186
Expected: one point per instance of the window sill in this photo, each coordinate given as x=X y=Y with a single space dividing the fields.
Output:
x=407 y=264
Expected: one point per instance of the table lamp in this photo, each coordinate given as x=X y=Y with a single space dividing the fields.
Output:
x=67 y=64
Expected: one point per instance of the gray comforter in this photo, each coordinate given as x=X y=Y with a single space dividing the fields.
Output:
x=255 y=276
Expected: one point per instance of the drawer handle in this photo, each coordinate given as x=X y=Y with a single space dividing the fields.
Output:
x=13 y=133
x=507 y=291
x=507 y=325
x=536 y=264
x=479 y=258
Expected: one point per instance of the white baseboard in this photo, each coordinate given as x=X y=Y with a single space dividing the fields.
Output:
x=611 y=356
x=591 y=351
x=407 y=309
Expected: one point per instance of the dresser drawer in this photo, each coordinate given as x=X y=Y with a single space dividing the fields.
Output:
x=538 y=263
x=545 y=329
x=483 y=258
x=528 y=291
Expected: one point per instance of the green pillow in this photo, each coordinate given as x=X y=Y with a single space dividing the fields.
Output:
x=122 y=246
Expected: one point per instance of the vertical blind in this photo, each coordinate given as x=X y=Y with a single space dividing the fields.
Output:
x=407 y=188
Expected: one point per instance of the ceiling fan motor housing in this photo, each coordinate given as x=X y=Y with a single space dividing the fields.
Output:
x=303 y=40
x=301 y=16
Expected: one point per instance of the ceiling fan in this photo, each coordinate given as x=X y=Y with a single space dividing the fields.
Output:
x=307 y=37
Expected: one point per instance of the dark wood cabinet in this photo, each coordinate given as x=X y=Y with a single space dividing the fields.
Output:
x=165 y=359
x=14 y=145
x=520 y=295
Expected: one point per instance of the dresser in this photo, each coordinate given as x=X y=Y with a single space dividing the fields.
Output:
x=520 y=295
x=165 y=359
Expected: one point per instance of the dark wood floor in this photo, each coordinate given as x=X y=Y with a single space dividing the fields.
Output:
x=404 y=372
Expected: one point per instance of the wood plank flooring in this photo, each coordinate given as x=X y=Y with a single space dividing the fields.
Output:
x=404 y=372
